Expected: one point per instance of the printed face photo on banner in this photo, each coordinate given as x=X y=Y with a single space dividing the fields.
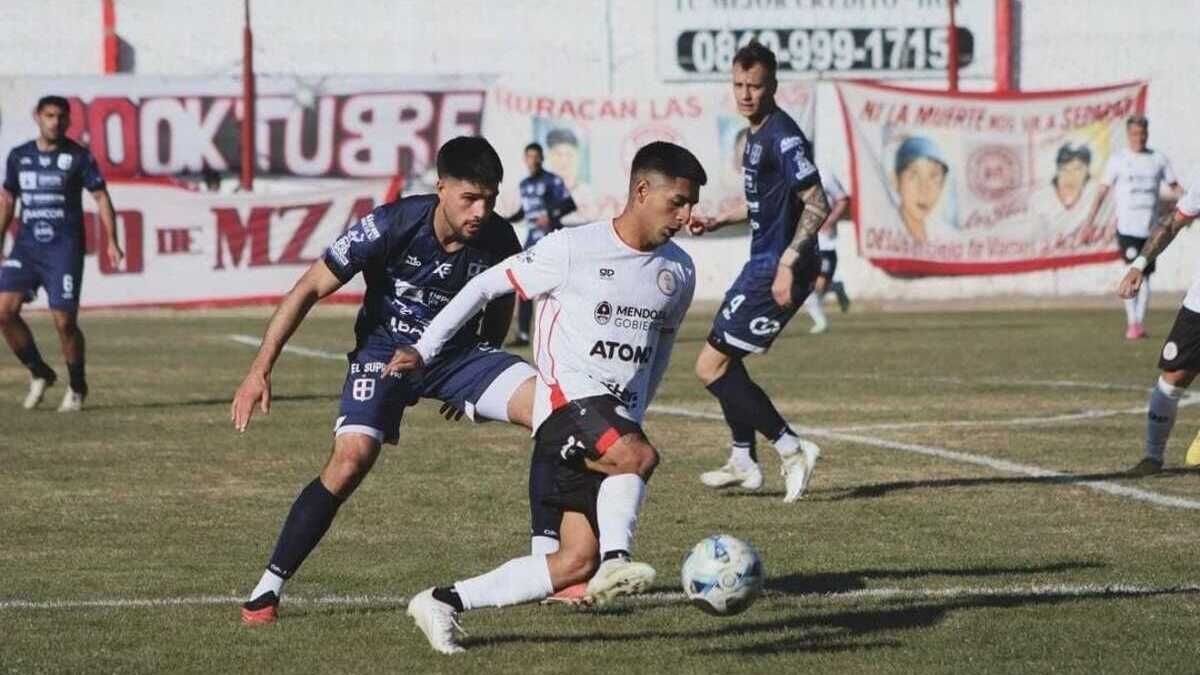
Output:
x=976 y=184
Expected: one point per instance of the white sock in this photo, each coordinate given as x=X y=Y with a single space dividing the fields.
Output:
x=1142 y=301
x=1164 y=402
x=269 y=582
x=617 y=508
x=1130 y=312
x=516 y=581
x=787 y=444
x=739 y=454
x=813 y=306
x=539 y=545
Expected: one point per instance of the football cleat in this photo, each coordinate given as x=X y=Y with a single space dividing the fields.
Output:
x=750 y=478
x=1147 y=467
x=818 y=328
x=616 y=577
x=37 y=391
x=72 y=401
x=571 y=595
x=797 y=470
x=262 y=610
x=1193 y=453
x=437 y=620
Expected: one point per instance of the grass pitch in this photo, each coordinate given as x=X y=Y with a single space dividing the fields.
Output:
x=128 y=533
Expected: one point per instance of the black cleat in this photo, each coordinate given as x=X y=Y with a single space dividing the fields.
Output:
x=1146 y=467
x=262 y=610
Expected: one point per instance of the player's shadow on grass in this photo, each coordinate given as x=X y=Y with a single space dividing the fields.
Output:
x=875 y=490
x=853 y=580
x=201 y=402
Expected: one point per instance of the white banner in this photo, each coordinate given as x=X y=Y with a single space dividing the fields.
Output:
x=977 y=183
x=696 y=39
x=590 y=140
x=193 y=249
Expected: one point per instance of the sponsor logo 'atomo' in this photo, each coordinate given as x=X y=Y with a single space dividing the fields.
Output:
x=610 y=349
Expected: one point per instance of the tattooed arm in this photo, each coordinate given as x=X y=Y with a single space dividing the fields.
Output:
x=816 y=208
x=1162 y=236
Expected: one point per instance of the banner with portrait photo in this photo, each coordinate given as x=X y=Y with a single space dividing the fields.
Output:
x=590 y=141
x=978 y=183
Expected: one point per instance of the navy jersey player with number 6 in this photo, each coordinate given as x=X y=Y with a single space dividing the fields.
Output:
x=48 y=175
x=786 y=206
x=415 y=255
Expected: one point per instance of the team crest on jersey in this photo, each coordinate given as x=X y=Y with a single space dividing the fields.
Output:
x=603 y=313
x=755 y=151
x=43 y=160
x=28 y=180
x=804 y=168
x=64 y=161
x=667 y=283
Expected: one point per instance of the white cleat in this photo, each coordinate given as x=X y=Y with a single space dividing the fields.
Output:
x=797 y=470
x=819 y=328
x=72 y=401
x=616 y=577
x=37 y=391
x=731 y=474
x=437 y=620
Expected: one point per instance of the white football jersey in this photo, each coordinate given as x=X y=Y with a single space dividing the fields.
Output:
x=1135 y=178
x=833 y=192
x=1189 y=205
x=608 y=314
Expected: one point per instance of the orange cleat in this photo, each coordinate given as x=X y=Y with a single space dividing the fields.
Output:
x=262 y=610
x=571 y=595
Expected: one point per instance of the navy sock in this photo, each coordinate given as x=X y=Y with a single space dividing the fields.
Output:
x=742 y=433
x=746 y=403
x=448 y=595
x=31 y=358
x=306 y=523
x=78 y=381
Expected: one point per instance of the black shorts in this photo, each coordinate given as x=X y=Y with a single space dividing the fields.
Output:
x=828 y=265
x=1181 y=351
x=559 y=481
x=1131 y=247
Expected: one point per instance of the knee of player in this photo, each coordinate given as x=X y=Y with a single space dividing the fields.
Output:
x=575 y=566
x=643 y=460
x=7 y=317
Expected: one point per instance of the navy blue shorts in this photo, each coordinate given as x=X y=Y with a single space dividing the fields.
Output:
x=749 y=320
x=374 y=405
x=59 y=270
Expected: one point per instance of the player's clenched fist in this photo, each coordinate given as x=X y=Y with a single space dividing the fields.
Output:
x=1130 y=283
x=405 y=360
x=255 y=389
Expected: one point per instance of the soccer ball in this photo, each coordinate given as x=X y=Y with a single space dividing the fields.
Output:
x=722 y=575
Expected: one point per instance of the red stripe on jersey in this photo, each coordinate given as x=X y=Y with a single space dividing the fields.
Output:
x=606 y=440
x=558 y=399
x=512 y=279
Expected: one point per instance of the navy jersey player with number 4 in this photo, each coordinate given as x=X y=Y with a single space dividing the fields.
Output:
x=415 y=255
x=47 y=176
x=786 y=206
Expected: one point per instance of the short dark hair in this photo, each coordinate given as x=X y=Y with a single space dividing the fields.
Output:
x=535 y=146
x=561 y=135
x=755 y=53
x=470 y=158
x=1068 y=152
x=670 y=160
x=55 y=101
x=1137 y=121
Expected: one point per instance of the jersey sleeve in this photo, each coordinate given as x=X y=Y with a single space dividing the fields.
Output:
x=1189 y=203
x=359 y=247
x=796 y=163
x=93 y=180
x=561 y=193
x=11 y=184
x=542 y=269
x=1112 y=171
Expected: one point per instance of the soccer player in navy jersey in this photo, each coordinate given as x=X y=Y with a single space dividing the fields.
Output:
x=415 y=254
x=786 y=206
x=48 y=175
x=545 y=200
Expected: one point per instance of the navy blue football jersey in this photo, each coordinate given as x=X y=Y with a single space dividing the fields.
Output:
x=49 y=185
x=776 y=164
x=409 y=276
x=540 y=194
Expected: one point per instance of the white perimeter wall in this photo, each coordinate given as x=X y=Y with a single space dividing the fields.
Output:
x=580 y=47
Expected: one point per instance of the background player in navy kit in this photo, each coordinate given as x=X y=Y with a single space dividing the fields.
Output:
x=544 y=201
x=48 y=175
x=415 y=255
x=786 y=207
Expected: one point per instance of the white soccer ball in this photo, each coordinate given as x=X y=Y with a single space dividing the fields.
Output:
x=723 y=575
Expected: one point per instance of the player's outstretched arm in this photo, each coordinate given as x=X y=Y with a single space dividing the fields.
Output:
x=738 y=213
x=316 y=283
x=7 y=204
x=466 y=303
x=108 y=221
x=816 y=208
x=1160 y=238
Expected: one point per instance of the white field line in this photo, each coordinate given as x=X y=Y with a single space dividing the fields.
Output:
x=1047 y=590
x=850 y=435
x=251 y=341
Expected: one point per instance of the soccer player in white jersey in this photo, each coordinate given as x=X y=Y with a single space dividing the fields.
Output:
x=1180 y=358
x=1135 y=175
x=839 y=201
x=613 y=296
